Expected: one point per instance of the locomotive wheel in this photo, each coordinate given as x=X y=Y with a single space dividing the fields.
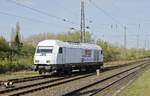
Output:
x=89 y=69
x=68 y=71
x=42 y=71
x=59 y=72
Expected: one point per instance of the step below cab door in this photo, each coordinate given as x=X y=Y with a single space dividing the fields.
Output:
x=64 y=56
x=61 y=59
x=60 y=55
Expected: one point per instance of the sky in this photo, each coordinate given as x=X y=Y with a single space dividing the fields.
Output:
x=106 y=18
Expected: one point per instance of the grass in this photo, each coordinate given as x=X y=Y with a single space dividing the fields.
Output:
x=114 y=63
x=121 y=62
x=20 y=74
x=141 y=87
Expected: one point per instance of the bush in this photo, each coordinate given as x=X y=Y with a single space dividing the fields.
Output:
x=112 y=53
x=15 y=60
x=16 y=65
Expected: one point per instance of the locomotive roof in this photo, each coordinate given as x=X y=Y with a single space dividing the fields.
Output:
x=68 y=44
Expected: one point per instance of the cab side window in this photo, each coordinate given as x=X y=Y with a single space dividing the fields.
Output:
x=60 y=50
x=101 y=52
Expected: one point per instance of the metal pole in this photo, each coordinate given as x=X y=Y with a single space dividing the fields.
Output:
x=82 y=25
x=125 y=41
x=139 y=26
x=116 y=28
x=145 y=45
x=148 y=44
x=137 y=53
x=125 y=38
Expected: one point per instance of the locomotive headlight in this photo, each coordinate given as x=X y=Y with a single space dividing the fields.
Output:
x=48 y=61
x=36 y=61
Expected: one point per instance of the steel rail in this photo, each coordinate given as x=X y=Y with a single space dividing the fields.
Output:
x=72 y=93
x=49 y=81
x=42 y=85
x=101 y=89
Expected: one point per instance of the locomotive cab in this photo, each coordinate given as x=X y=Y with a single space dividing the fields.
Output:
x=44 y=55
x=44 y=58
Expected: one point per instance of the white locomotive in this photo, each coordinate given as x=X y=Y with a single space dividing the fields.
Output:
x=55 y=55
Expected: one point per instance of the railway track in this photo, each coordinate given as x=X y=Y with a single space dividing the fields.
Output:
x=29 y=88
x=105 y=82
x=32 y=78
x=41 y=85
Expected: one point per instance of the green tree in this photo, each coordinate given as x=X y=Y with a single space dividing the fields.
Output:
x=16 y=38
x=110 y=52
x=4 y=47
x=3 y=44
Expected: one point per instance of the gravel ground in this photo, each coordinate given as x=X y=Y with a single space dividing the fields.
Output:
x=48 y=83
x=63 y=88
x=118 y=87
x=88 y=91
x=29 y=82
x=112 y=91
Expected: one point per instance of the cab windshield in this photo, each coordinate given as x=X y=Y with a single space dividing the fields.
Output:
x=44 y=49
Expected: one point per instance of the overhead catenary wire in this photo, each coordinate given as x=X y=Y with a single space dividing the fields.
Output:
x=42 y=12
x=30 y=19
x=114 y=19
x=106 y=13
x=70 y=11
x=66 y=9
x=73 y=13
